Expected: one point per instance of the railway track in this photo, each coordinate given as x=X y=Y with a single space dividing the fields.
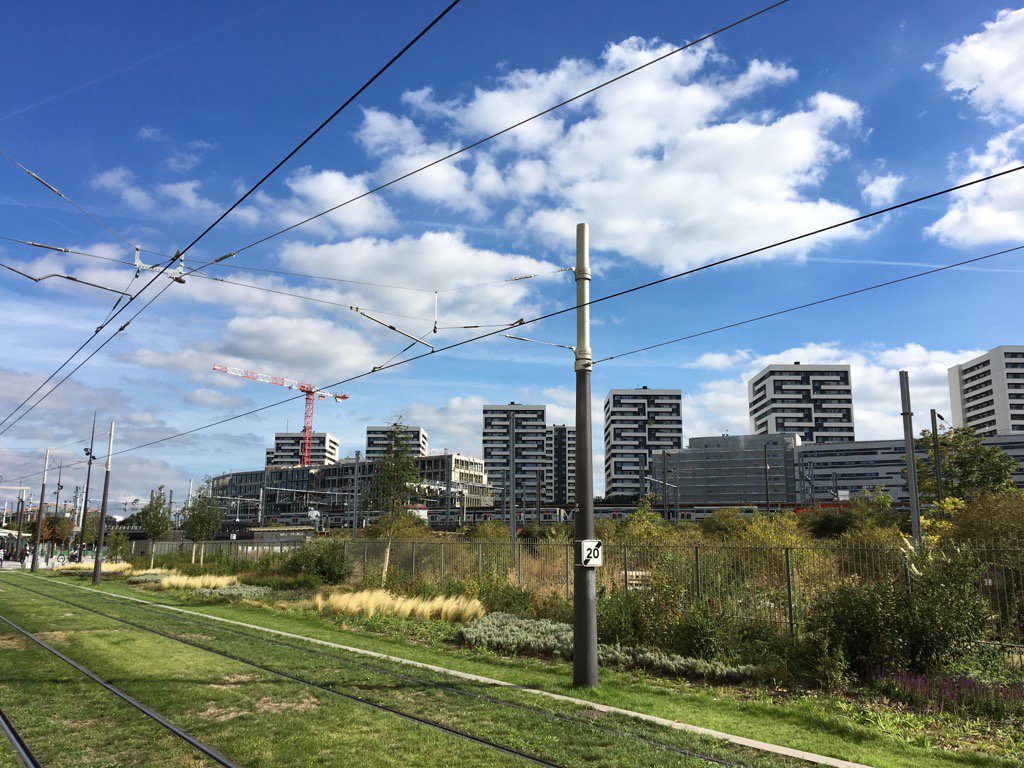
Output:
x=21 y=749
x=343 y=658
x=501 y=748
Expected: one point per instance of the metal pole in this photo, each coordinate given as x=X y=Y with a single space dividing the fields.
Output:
x=39 y=515
x=908 y=441
x=21 y=520
x=448 y=469
x=511 y=485
x=584 y=642
x=664 y=488
x=88 y=480
x=767 y=499
x=355 y=504
x=936 y=456
x=101 y=529
x=540 y=476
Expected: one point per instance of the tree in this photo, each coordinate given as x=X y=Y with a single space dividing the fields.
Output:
x=991 y=517
x=724 y=523
x=642 y=524
x=201 y=520
x=969 y=467
x=155 y=520
x=117 y=546
x=394 y=484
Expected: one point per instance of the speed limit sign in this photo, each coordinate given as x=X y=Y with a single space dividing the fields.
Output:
x=591 y=553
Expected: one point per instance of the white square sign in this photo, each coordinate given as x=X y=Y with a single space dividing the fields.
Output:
x=591 y=553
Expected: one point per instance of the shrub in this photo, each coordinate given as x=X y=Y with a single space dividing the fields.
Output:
x=383 y=603
x=232 y=591
x=281 y=581
x=323 y=558
x=499 y=594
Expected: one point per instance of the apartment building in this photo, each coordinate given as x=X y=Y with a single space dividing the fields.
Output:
x=377 y=441
x=514 y=438
x=560 y=472
x=987 y=393
x=287 y=450
x=638 y=423
x=813 y=401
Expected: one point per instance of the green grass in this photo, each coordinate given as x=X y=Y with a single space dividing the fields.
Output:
x=807 y=724
x=570 y=742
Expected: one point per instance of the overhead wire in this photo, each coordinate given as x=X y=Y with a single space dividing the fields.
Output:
x=324 y=124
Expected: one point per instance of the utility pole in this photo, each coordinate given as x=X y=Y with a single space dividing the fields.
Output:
x=449 y=467
x=39 y=516
x=911 y=459
x=97 y=565
x=512 y=483
x=21 y=519
x=540 y=476
x=356 y=506
x=936 y=456
x=767 y=498
x=584 y=636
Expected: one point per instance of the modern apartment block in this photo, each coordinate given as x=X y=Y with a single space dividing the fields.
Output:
x=287 y=450
x=813 y=401
x=729 y=470
x=987 y=393
x=560 y=474
x=377 y=441
x=516 y=434
x=840 y=471
x=637 y=423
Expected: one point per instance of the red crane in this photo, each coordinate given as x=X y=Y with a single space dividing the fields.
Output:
x=312 y=393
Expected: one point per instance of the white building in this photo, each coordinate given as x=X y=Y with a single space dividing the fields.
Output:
x=987 y=393
x=377 y=441
x=813 y=401
x=560 y=472
x=515 y=434
x=638 y=422
x=287 y=450
x=839 y=471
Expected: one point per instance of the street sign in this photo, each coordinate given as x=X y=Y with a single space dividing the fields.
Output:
x=591 y=553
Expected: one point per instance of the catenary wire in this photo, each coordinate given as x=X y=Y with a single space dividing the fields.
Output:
x=555 y=313
x=512 y=127
x=810 y=304
x=323 y=125
x=383 y=186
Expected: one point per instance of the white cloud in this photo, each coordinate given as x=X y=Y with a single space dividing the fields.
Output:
x=121 y=180
x=698 y=177
x=992 y=212
x=454 y=425
x=987 y=68
x=189 y=201
x=881 y=189
x=719 y=361
x=149 y=133
x=183 y=162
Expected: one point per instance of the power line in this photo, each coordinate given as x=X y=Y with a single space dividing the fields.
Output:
x=322 y=125
x=512 y=127
x=71 y=278
x=810 y=304
x=565 y=310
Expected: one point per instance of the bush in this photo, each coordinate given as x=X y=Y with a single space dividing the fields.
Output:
x=232 y=591
x=323 y=558
x=281 y=581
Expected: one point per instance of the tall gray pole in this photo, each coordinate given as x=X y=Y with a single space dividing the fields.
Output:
x=356 y=505
x=936 y=456
x=512 y=483
x=584 y=636
x=97 y=566
x=21 y=520
x=911 y=459
x=449 y=468
x=767 y=497
x=540 y=476
x=39 y=516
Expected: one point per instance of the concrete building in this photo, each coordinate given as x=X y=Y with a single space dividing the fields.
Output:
x=560 y=472
x=515 y=434
x=637 y=423
x=287 y=450
x=840 y=471
x=729 y=470
x=377 y=441
x=987 y=393
x=813 y=401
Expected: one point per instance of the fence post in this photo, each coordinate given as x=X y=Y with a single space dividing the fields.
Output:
x=568 y=569
x=366 y=552
x=696 y=570
x=414 y=559
x=441 y=577
x=519 y=562
x=479 y=563
x=625 y=567
x=789 y=594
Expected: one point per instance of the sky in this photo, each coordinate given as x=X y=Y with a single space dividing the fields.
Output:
x=155 y=118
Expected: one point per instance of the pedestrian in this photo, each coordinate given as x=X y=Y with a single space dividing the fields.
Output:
x=1 y=557
x=24 y=556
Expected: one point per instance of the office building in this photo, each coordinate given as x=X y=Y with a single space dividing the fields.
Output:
x=377 y=441
x=840 y=471
x=560 y=472
x=514 y=434
x=813 y=401
x=287 y=450
x=637 y=423
x=987 y=393
x=729 y=470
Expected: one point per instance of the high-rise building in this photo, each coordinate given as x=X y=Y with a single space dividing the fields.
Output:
x=839 y=471
x=560 y=475
x=287 y=450
x=377 y=441
x=515 y=434
x=638 y=422
x=813 y=401
x=987 y=393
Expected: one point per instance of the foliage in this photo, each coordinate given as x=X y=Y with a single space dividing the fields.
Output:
x=955 y=694
x=510 y=634
x=323 y=558
x=57 y=529
x=202 y=517
x=90 y=527
x=642 y=525
x=969 y=467
x=232 y=592
x=395 y=480
x=378 y=601
x=155 y=517
x=280 y=581
x=117 y=546
x=724 y=523
x=489 y=530
x=990 y=516
x=205 y=581
x=867 y=512
x=776 y=529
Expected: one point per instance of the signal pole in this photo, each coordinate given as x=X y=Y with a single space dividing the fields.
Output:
x=911 y=458
x=39 y=517
x=936 y=455
x=584 y=636
x=97 y=565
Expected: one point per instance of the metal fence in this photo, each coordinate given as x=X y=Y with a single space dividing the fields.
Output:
x=778 y=585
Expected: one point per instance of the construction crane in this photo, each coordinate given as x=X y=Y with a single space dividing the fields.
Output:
x=312 y=393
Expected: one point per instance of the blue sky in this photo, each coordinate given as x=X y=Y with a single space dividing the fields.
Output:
x=154 y=117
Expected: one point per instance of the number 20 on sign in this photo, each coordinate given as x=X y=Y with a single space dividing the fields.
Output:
x=591 y=553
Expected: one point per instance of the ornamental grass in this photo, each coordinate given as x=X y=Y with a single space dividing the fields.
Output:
x=379 y=602
x=206 y=581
